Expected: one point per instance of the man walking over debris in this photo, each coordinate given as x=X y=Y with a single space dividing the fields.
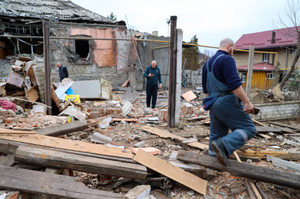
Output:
x=152 y=73
x=221 y=80
x=62 y=70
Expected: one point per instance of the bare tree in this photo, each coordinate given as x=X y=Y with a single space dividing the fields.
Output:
x=292 y=11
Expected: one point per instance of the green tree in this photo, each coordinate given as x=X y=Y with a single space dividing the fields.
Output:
x=112 y=16
x=191 y=54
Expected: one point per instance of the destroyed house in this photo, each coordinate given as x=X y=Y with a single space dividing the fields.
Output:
x=282 y=41
x=85 y=57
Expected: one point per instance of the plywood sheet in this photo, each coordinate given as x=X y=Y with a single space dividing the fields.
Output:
x=175 y=173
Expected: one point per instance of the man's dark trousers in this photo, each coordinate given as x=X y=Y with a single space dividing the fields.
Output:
x=151 y=91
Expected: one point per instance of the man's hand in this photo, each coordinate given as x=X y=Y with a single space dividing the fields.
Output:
x=159 y=86
x=248 y=108
x=150 y=75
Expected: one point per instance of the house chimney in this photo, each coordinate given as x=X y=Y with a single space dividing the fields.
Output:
x=273 y=37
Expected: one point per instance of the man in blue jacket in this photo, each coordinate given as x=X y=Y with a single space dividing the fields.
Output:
x=220 y=78
x=62 y=70
x=152 y=73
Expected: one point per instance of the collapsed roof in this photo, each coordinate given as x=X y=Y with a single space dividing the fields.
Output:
x=61 y=10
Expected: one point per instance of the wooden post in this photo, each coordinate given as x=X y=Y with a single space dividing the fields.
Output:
x=46 y=35
x=178 y=75
x=172 y=74
x=250 y=71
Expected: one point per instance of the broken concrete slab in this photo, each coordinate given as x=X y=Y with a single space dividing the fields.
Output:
x=126 y=108
x=138 y=192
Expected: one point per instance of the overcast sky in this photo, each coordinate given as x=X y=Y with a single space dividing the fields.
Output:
x=209 y=20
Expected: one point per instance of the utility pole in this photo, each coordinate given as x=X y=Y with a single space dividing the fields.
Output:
x=46 y=39
x=179 y=35
x=172 y=74
x=250 y=71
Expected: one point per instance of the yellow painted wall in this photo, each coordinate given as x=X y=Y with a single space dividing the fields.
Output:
x=260 y=80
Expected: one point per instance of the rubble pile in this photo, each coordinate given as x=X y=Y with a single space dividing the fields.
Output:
x=116 y=145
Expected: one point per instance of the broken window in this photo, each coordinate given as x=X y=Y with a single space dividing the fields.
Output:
x=79 y=51
x=82 y=48
x=265 y=57
x=271 y=75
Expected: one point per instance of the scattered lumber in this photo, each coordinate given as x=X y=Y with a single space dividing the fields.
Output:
x=263 y=154
x=244 y=170
x=29 y=181
x=10 y=147
x=49 y=158
x=285 y=125
x=174 y=173
x=167 y=134
x=63 y=129
x=47 y=141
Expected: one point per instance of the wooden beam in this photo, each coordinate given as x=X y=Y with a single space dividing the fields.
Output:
x=30 y=181
x=250 y=70
x=285 y=125
x=244 y=170
x=9 y=131
x=49 y=158
x=10 y=147
x=175 y=173
x=266 y=129
x=263 y=154
x=167 y=134
x=63 y=128
x=42 y=140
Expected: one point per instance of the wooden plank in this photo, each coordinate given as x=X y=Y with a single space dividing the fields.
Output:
x=43 y=140
x=262 y=154
x=49 y=158
x=285 y=125
x=29 y=181
x=10 y=147
x=63 y=128
x=175 y=173
x=167 y=134
x=124 y=119
x=9 y=131
x=266 y=129
x=244 y=170
x=197 y=118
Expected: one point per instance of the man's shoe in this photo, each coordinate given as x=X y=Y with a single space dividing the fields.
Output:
x=219 y=148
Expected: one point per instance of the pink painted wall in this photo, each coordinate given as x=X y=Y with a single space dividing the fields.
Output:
x=104 y=50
